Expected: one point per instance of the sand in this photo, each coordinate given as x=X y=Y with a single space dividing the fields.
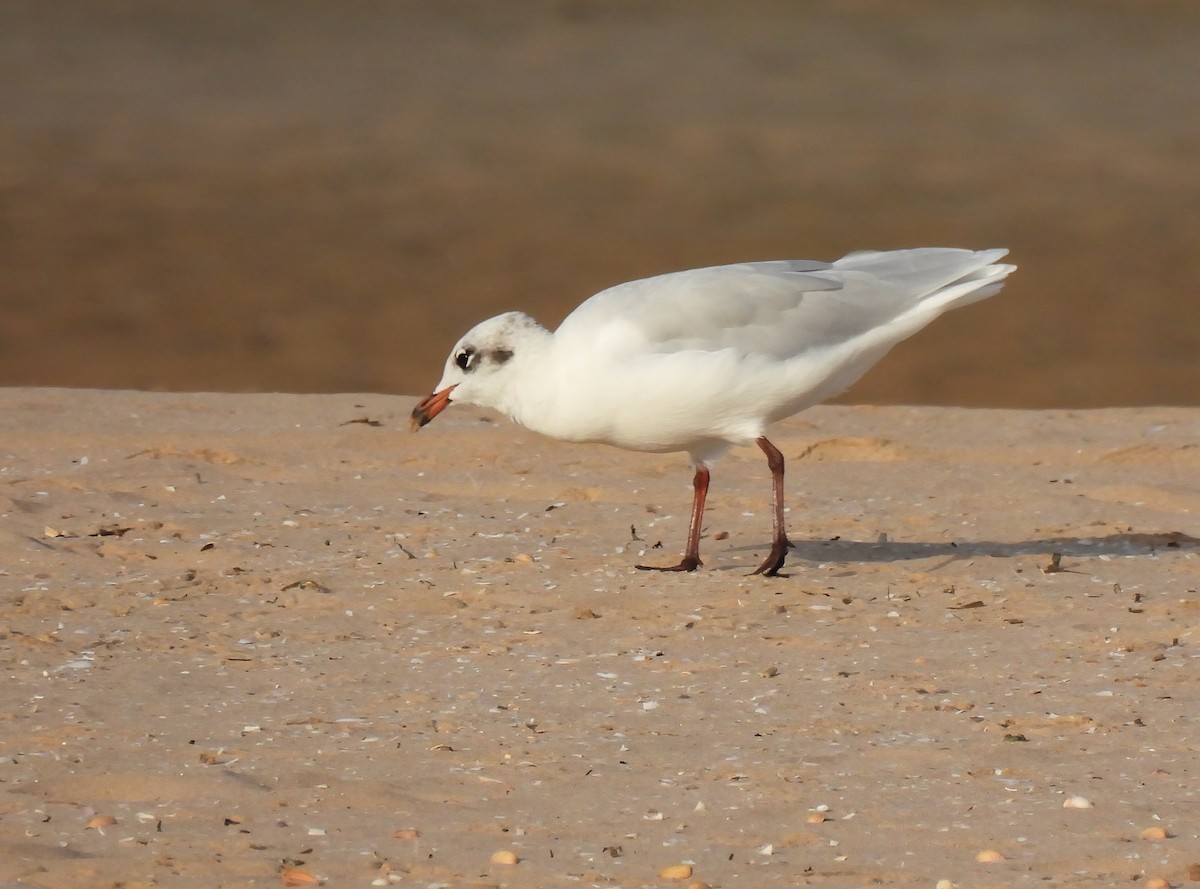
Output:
x=263 y=640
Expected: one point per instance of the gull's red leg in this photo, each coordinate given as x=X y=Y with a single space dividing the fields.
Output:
x=691 y=558
x=780 y=544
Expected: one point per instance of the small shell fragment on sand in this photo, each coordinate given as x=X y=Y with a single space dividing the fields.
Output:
x=294 y=877
x=988 y=856
x=505 y=856
x=676 y=872
x=1077 y=802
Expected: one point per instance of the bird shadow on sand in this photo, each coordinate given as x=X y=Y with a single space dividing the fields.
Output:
x=1052 y=548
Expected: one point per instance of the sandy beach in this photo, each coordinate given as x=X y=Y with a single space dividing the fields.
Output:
x=263 y=640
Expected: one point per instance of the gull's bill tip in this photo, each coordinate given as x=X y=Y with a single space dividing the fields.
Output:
x=429 y=407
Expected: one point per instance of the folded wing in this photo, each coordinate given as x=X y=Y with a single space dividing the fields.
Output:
x=781 y=309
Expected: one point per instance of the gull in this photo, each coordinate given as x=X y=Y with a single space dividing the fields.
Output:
x=701 y=360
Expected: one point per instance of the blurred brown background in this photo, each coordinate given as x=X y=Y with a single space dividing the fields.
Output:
x=322 y=196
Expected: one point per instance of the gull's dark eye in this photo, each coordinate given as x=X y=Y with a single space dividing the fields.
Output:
x=466 y=358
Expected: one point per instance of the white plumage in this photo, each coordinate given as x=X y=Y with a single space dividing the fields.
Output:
x=701 y=360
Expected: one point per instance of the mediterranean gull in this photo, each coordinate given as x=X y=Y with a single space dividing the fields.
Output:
x=702 y=360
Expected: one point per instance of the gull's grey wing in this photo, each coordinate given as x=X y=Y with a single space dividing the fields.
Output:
x=765 y=308
x=772 y=309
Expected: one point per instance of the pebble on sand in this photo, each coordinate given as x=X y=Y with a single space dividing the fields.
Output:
x=676 y=872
